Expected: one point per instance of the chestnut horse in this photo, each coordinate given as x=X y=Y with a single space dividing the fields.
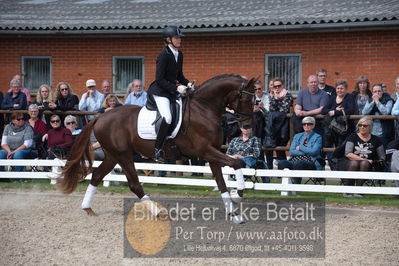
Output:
x=200 y=136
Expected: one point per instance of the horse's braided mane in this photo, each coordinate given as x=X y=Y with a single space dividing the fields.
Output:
x=219 y=77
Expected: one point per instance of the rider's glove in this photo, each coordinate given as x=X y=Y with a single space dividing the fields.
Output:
x=191 y=86
x=182 y=89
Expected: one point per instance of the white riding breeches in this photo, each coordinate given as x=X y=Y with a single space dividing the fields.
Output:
x=163 y=105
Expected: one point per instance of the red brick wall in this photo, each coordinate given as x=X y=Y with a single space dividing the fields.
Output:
x=344 y=55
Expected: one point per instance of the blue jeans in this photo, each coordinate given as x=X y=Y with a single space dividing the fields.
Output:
x=250 y=162
x=21 y=154
x=296 y=165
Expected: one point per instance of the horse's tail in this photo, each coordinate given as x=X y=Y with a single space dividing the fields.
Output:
x=80 y=161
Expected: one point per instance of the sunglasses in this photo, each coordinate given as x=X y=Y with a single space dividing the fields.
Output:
x=55 y=121
x=70 y=123
x=65 y=89
x=19 y=119
x=277 y=86
x=307 y=124
x=363 y=125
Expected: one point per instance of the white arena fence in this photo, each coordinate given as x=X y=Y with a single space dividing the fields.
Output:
x=285 y=186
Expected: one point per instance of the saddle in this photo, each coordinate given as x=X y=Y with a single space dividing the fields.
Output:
x=149 y=119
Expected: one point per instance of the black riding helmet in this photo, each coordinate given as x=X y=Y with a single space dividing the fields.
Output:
x=172 y=31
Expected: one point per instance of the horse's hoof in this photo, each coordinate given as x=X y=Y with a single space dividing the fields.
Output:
x=89 y=211
x=237 y=219
x=235 y=197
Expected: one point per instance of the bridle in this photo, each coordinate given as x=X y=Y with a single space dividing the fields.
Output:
x=238 y=100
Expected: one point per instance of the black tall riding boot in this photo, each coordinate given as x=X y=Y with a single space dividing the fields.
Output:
x=161 y=136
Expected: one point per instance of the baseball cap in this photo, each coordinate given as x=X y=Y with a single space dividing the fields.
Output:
x=90 y=82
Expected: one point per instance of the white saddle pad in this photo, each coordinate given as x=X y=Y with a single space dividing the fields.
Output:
x=146 y=128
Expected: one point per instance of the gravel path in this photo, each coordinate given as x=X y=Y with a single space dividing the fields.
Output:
x=46 y=228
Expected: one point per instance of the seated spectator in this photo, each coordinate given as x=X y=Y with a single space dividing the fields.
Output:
x=304 y=150
x=23 y=89
x=310 y=102
x=1 y=115
x=110 y=102
x=277 y=123
x=106 y=87
x=136 y=94
x=16 y=141
x=322 y=78
x=363 y=152
x=45 y=102
x=341 y=102
x=65 y=99
x=59 y=139
x=380 y=104
x=39 y=129
x=245 y=148
x=15 y=99
x=362 y=93
x=71 y=123
x=91 y=100
x=96 y=147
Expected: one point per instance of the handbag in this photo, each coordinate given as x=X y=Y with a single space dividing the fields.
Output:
x=304 y=157
x=339 y=124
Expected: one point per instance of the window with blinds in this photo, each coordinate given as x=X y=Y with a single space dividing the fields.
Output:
x=36 y=71
x=286 y=66
x=125 y=70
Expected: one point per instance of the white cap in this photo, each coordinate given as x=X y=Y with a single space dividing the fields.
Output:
x=90 y=82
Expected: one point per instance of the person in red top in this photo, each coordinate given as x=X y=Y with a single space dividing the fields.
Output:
x=59 y=139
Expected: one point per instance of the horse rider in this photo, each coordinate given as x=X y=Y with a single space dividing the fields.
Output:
x=165 y=88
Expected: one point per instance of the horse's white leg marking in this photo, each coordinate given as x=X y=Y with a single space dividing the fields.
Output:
x=240 y=179
x=90 y=191
x=150 y=205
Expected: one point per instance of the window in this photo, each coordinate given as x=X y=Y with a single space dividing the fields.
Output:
x=36 y=71
x=125 y=70
x=286 y=66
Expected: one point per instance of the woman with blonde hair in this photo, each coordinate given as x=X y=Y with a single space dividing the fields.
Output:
x=110 y=102
x=65 y=99
x=45 y=101
x=363 y=152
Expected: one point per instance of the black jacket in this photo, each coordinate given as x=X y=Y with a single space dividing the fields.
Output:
x=9 y=101
x=168 y=72
x=69 y=103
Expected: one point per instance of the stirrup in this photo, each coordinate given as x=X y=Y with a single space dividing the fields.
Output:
x=159 y=155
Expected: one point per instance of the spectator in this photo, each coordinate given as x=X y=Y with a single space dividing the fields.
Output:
x=45 y=102
x=245 y=148
x=15 y=99
x=322 y=78
x=38 y=125
x=110 y=102
x=380 y=104
x=277 y=123
x=1 y=115
x=71 y=123
x=23 y=89
x=16 y=141
x=395 y=108
x=362 y=93
x=66 y=100
x=261 y=97
x=96 y=146
x=106 y=87
x=59 y=139
x=341 y=102
x=304 y=150
x=363 y=152
x=260 y=109
x=310 y=102
x=39 y=130
x=92 y=99
x=395 y=95
x=136 y=94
